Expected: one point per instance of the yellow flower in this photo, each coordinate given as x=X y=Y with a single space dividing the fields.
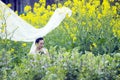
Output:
x=106 y=7
x=24 y=44
x=114 y=10
x=94 y=45
x=99 y=25
x=72 y=35
x=117 y=4
x=75 y=1
x=42 y=1
x=97 y=3
x=66 y=25
x=91 y=10
x=9 y=5
x=111 y=0
x=74 y=39
x=12 y=50
x=73 y=10
x=54 y=6
x=99 y=16
x=36 y=5
x=90 y=24
x=27 y=8
x=75 y=29
x=2 y=30
x=66 y=4
x=112 y=22
x=59 y=5
x=48 y=7
x=83 y=23
x=118 y=33
x=4 y=25
x=83 y=11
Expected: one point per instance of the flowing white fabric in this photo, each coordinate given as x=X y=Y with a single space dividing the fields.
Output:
x=19 y=30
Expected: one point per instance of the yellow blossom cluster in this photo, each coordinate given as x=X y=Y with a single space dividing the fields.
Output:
x=38 y=15
x=84 y=12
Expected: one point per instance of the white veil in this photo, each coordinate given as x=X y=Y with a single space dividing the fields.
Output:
x=19 y=30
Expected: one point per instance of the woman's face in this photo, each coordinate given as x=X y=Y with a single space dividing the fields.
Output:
x=40 y=44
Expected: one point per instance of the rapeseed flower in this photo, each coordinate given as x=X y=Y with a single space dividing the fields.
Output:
x=24 y=45
x=12 y=50
x=27 y=8
x=9 y=5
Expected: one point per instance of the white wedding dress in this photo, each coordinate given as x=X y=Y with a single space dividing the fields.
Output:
x=19 y=30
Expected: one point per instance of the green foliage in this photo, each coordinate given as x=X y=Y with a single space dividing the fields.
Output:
x=65 y=66
x=97 y=39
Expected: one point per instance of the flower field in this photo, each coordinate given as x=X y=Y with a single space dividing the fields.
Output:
x=85 y=46
x=92 y=26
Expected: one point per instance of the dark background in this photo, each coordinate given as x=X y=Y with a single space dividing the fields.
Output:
x=18 y=5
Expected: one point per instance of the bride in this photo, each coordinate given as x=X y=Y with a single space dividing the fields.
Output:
x=19 y=30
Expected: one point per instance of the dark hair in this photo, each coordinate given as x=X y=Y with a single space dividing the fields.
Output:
x=38 y=39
